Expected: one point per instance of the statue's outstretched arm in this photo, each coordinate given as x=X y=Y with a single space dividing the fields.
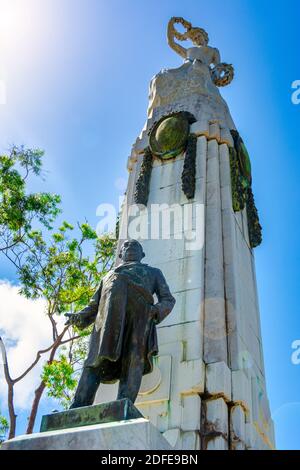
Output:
x=89 y=313
x=87 y=316
x=171 y=34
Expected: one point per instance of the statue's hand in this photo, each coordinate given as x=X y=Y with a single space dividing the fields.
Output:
x=73 y=319
x=154 y=313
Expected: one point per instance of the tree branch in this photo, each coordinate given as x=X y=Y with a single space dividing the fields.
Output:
x=10 y=394
x=39 y=391
x=70 y=339
x=56 y=344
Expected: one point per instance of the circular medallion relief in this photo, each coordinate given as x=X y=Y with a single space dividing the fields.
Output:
x=245 y=163
x=169 y=136
x=150 y=382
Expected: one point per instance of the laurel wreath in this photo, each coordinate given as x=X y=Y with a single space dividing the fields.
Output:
x=186 y=24
x=222 y=74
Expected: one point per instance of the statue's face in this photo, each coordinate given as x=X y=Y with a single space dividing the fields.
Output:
x=197 y=37
x=131 y=251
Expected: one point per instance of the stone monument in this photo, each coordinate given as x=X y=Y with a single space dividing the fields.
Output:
x=207 y=389
x=189 y=202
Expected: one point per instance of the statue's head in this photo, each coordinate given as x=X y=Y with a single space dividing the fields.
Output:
x=131 y=250
x=198 y=36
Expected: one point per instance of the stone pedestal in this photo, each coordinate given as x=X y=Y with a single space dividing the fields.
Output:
x=115 y=411
x=136 y=434
x=116 y=425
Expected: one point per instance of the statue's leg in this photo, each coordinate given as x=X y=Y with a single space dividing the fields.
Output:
x=131 y=375
x=133 y=351
x=87 y=387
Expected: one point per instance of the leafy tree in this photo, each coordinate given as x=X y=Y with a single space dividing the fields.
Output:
x=3 y=428
x=19 y=210
x=63 y=267
x=58 y=377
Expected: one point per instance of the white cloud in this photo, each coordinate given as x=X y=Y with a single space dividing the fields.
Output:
x=2 y=92
x=25 y=329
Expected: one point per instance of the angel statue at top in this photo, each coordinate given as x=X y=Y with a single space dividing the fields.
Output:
x=221 y=73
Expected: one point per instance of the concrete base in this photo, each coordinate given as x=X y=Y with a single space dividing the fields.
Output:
x=136 y=434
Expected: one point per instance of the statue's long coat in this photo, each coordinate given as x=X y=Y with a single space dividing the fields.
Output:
x=120 y=309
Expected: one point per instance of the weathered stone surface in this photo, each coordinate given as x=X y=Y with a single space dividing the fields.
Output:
x=217 y=443
x=157 y=413
x=173 y=437
x=188 y=307
x=118 y=410
x=214 y=131
x=190 y=441
x=241 y=390
x=215 y=331
x=182 y=342
x=218 y=380
x=237 y=427
x=137 y=434
x=191 y=412
x=225 y=176
x=250 y=433
x=156 y=385
x=216 y=417
x=200 y=128
x=226 y=137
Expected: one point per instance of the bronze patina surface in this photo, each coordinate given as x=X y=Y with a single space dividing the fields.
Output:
x=169 y=136
x=124 y=315
x=119 y=410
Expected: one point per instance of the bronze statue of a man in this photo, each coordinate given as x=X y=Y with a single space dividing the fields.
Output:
x=124 y=337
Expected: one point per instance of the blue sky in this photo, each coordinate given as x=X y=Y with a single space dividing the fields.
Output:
x=77 y=75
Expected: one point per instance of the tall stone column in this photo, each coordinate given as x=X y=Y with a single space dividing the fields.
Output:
x=189 y=170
